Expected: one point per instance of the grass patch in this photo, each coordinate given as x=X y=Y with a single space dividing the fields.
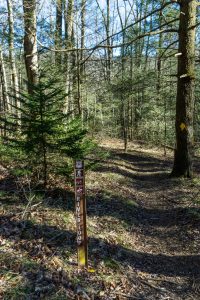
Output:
x=4 y=194
x=111 y=264
x=20 y=292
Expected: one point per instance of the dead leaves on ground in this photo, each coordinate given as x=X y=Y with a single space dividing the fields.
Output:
x=38 y=254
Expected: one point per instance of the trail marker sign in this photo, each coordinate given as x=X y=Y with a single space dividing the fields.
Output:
x=80 y=209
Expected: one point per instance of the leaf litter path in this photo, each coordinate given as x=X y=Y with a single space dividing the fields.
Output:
x=162 y=217
x=143 y=230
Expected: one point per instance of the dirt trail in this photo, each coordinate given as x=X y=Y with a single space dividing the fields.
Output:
x=165 y=227
x=143 y=230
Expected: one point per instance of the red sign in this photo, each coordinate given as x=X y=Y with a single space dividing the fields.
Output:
x=79 y=181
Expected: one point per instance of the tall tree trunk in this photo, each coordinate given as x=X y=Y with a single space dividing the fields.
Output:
x=5 y=105
x=15 y=82
x=124 y=102
x=30 y=43
x=83 y=12
x=78 y=83
x=76 y=70
x=159 y=61
x=81 y=71
x=5 y=101
x=58 y=35
x=68 y=45
x=109 y=50
x=185 y=90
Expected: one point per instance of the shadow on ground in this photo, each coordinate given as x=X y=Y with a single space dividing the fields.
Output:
x=43 y=240
x=53 y=237
x=37 y=281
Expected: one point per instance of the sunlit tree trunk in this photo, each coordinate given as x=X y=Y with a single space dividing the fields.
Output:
x=185 y=90
x=81 y=60
x=30 y=43
x=14 y=77
x=5 y=98
x=124 y=101
x=68 y=55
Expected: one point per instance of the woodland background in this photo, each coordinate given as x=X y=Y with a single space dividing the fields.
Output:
x=115 y=63
x=115 y=83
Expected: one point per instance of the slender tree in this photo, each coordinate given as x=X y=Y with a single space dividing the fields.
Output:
x=81 y=64
x=58 y=34
x=109 y=50
x=14 y=75
x=83 y=16
x=30 y=42
x=4 y=86
x=124 y=109
x=68 y=17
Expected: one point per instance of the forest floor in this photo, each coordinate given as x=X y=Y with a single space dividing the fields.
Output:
x=143 y=228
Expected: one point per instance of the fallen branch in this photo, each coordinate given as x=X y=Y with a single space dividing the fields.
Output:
x=167 y=147
x=160 y=289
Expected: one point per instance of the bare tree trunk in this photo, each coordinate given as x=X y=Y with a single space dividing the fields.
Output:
x=14 y=77
x=185 y=91
x=30 y=43
x=81 y=69
x=68 y=45
x=109 y=51
x=58 y=35
x=124 y=102
x=51 y=29
x=78 y=83
x=5 y=101
x=83 y=13
x=5 y=105
x=159 y=61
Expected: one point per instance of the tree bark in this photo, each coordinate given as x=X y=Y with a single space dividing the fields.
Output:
x=5 y=103
x=81 y=69
x=14 y=77
x=83 y=13
x=109 y=51
x=159 y=60
x=58 y=35
x=183 y=155
x=68 y=56
x=124 y=102
x=30 y=43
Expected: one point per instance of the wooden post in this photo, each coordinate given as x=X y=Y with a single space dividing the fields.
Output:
x=79 y=175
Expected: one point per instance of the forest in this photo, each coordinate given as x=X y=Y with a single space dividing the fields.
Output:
x=99 y=149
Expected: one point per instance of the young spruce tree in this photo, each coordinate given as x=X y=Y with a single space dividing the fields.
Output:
x=44 y=131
